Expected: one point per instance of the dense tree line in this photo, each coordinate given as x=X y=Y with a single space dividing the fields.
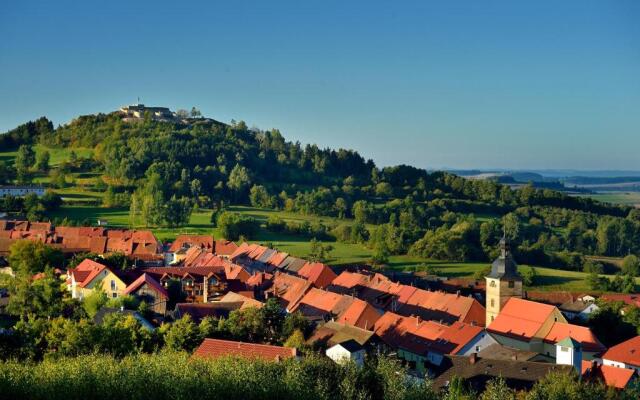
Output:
x=163 y=170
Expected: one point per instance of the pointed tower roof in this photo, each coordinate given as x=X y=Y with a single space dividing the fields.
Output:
x=504 y=266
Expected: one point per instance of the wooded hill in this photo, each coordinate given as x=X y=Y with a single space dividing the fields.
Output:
x=162 y=169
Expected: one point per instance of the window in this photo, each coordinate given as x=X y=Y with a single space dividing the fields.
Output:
x=113 y=285
x=477 y=349
x=511 y=284
x=493 y=302
x=492 y=284
x=564 y=349
x=114 y=295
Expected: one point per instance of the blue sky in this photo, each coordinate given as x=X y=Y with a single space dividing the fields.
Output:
x=462 y=84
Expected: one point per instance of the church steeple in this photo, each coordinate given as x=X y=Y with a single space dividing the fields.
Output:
x=504 y=266
x=503 y=282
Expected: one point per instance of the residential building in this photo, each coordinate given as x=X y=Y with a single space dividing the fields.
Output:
x=477 y=371
x=619 y=378
x=347 y=351
x=149 y=290
x=624 y=355
x=537 y=327
x=215 y=348
x=21 y=191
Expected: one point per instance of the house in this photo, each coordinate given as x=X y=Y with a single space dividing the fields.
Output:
x=619 y=378
x=21 y=191
x=224 y=248
x=360 y=314
x=537 y=327
x=178 y=249
x=149 y=290
x=385 y=295
x=624 y=355
x=320 y=305
x=632 y=300
x=347 y=351
x=288 y=289
x=477 y=371
x=216 y=348
x=89 y=275
x=244 y=301
x=423 y=343
x=578 y=309
x=104 y=312
x=320 y=275
x=332 y=333
x=201 y=284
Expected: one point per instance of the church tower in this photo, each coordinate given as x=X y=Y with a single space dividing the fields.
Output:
x=503 y=282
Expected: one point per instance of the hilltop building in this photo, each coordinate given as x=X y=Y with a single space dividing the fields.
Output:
x=503 y=282
x=21 y=191
x=138 y=111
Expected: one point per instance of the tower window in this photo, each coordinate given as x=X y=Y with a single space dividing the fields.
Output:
x=511 y=284
x=493 y=303
x=493 y=284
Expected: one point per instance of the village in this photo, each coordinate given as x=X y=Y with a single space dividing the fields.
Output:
x=451 y=330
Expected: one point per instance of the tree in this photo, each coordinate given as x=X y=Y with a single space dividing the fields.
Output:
x=631 y=265
x=183 y=334
x=511 y=226
x=239 y=181
x=42 y=163
x=318 y=251
x=28 y=257
x=41 y=297
x=195 y=113
x=259 y=197
x=341 y=207
x=384 y=189
x=25 y=159
x=497 y=389
x=94 y=301
x=233 y=225
x=529 y=276
x=296 y=340
x=177 y=212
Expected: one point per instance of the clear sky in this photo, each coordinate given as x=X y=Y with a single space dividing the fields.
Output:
x=460 y=84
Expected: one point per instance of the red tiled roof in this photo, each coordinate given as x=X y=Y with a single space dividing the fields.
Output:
x=152 y=283
x=242 y=250
x=258 y=279
x=225 y=247
x=419 y=336
x=611 y=376
x=319 y=274
x=582 y=334
x=277 y=258
x=289 y=288
x=627 y=352
x=361 y=314
x=215 y=348
x=323 y=301
x=350 y=280
x=182 y=241
x=86 y=272
x=630 y=299
x=521 y=318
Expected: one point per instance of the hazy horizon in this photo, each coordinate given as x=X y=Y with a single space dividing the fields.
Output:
x=496 y=85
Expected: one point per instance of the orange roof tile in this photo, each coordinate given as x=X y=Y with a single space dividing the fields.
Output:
x=184 y=241
x=147 y=279
x=611 y=376
x=225 y=247
x=521 y=318
x=361 y=314
x=214 y=348
x=627 y=352
x=582 y=334
x=319 y=274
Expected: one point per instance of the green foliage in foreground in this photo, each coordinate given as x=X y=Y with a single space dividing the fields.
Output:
x=176 y=376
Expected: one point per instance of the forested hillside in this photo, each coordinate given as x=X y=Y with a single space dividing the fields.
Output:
x=160 y=171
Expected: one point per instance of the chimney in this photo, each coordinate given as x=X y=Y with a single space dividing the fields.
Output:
x=473 y=358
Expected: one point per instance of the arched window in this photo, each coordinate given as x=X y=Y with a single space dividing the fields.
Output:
x=493 y=284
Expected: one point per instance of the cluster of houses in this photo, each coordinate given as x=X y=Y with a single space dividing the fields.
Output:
x=435 y=333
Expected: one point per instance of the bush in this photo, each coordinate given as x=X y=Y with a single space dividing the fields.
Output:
x=233 y=225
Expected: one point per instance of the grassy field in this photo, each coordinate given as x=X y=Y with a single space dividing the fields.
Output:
x=343 y=253
x=57 y=155
x=625 y=198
